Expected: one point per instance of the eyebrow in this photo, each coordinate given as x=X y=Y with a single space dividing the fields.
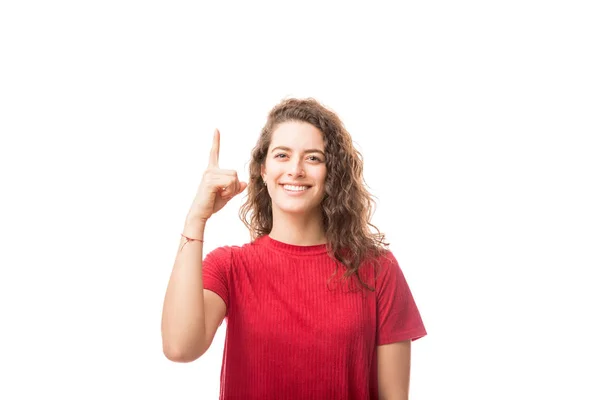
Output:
x=305 y=151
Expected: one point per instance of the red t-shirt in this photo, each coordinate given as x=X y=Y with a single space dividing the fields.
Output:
x=292 y=335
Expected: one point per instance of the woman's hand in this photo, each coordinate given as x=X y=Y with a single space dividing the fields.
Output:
x=217 y=187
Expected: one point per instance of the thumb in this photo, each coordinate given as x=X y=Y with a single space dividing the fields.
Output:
x=243 y=186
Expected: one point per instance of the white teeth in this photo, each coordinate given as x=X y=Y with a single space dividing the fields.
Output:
x=295 y=188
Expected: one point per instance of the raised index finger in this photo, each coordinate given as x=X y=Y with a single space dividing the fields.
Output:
x=213 y=160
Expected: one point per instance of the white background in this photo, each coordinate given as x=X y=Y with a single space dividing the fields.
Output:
x=478 y=122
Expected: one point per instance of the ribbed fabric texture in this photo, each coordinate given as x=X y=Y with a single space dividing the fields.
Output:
x=294 y=332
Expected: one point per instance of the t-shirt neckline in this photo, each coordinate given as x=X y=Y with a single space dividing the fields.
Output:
x=292 y=248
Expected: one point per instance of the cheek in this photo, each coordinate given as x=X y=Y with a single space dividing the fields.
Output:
x=323 y=176
x=269 y=167
x=273 y=169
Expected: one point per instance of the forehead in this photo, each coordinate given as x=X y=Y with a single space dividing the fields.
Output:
x=298 y=136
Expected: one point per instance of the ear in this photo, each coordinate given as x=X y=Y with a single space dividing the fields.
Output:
x=263 y=170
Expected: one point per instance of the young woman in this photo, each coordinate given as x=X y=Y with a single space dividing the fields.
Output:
x=317 y=307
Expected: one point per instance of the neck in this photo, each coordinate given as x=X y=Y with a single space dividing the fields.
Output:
x=297 y=229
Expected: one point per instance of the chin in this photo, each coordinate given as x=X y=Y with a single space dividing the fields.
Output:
x=286 y=207
x=294 y=209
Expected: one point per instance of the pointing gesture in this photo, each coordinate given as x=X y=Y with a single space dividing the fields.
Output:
x=213 y=159
x=218 y=186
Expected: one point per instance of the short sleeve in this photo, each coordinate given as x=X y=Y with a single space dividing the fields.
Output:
x=398 y=317
x=215 y=272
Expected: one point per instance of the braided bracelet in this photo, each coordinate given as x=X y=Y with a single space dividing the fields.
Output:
x=189 y=239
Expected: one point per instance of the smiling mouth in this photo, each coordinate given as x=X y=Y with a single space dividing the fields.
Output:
x=294 y=188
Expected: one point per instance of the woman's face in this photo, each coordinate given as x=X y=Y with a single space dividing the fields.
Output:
x=295 y=168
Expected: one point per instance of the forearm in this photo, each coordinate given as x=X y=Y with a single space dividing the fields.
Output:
x=399 y=396
x=183 y=322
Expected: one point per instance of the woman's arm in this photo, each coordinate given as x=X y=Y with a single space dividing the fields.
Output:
x=183 y=321
x=393 y=370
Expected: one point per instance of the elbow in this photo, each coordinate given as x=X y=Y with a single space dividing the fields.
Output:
x=181 y=355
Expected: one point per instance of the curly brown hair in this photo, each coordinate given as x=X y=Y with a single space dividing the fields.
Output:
x=347 y=206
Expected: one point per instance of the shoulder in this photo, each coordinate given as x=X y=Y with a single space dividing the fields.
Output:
x=385 y=263
x=387 y=271
x=228 y=253
x=220 y=253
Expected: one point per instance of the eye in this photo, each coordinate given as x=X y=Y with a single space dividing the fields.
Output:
x=280 y=154
x=314 y=158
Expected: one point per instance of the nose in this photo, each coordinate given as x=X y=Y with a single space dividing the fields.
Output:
x=296 y=168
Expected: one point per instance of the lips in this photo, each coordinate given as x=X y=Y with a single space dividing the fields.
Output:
x=295 y=188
